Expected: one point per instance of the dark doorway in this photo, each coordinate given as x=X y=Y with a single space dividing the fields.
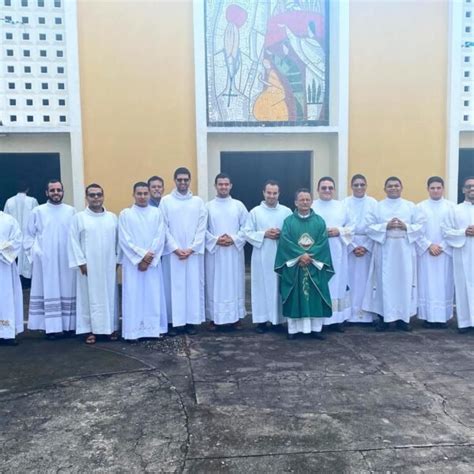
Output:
x=34 y=168
x=250 y=170
x=466 y=168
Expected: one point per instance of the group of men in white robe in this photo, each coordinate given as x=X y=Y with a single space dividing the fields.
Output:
x=183 y=260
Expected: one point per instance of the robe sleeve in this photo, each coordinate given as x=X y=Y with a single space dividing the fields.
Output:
x=170 y=242
x=7 y=208
x=422 y=243
x=133 y=252
x=199 y=242
x=10 y=248
x=253 y=236
x=415 y=227
x=29 y=242
x=158 y=243
x=376 y=231
x=75 y=253
x=346 y=232
x=453 y=235
x=239 y=237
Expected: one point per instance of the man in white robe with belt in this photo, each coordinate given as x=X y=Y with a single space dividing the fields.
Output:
x=225 y=260
x=53 y=285
x=340 y=230
x=262 y=231
x=360 y=249
x=93 y=252
x=435 y=263
x=185 y=218
x=394 y=226
x=11 y=296
x=458 y=231
x=142 y=238
x=20 y=207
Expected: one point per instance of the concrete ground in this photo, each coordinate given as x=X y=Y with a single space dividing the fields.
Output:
x=240 y=402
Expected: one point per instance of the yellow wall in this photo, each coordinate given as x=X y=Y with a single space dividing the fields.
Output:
x=397 y=92
x=137 y=92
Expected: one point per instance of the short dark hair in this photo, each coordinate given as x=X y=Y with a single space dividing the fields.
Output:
x=155 y=178
x=301 y=190
x=52 y=180
x=392 y=178
x=94 y=185
x=434 y=179
x=139 y=184
x=271 y=182
x=466 y=179
x=181 y=170
x=326 y=178
x=22 y=186
x=358 y=176
x=222 y=176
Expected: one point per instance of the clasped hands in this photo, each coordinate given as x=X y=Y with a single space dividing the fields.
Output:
x=225 y=240
x=396 y=223
x=359 y=251
x=273 y=233
x=183 y=254
x=333 y=232
x=470 y=231
x=305 y=260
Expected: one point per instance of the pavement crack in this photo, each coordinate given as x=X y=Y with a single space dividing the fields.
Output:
x=335 y=451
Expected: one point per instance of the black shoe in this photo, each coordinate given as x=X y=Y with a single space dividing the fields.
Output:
x=52 y=336
x=442 y=326
x=427 y=325
x=8 y=342
x=171 y=331
x=318 y=335
x=403 y=326
x=381 y=325
x=191 y=329
x=290 y=337
x=339 y=327
x=261 y=328
x=463 y=330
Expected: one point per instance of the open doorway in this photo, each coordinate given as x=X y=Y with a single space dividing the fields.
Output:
x=250 y=170
x=34 y=168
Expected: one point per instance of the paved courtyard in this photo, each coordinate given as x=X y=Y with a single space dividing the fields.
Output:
x=240 y=402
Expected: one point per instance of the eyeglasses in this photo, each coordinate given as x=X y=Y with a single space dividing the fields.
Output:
x=359 y=185
x=327 y=188
x=95 y=195
x=469 y=186
x=182 y=180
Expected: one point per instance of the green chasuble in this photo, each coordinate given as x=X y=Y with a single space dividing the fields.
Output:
x=304 y=290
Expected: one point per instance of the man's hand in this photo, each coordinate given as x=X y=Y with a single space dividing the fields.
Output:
x=305 y=260
x=396 y=223
x=83 y=269
x=272 y=233
x=359 y=251
x=333 y=232
x=183 y=254
x=225 y=240
x=148 y=258
x=470 y=231
x=435 y=250
x=143 y=266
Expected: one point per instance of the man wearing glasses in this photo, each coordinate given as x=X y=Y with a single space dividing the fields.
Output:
x=394 y=226
x=360 y=249
x=458 y=231
x=53 y=284
x=93 y=252
x=185 y=218
x=339 y=229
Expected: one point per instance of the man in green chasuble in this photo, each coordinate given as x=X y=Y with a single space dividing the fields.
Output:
x=303 y=261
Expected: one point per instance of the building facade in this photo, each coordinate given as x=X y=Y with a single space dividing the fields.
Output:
x=116 y=91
